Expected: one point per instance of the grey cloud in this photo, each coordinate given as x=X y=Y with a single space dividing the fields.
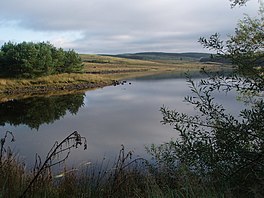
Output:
x=131 y=25
x=171 y=42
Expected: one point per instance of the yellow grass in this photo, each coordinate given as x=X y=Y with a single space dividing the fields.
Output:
x=57 y=79
x=120 y=68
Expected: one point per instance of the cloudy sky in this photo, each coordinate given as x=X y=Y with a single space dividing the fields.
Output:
x=119 y=26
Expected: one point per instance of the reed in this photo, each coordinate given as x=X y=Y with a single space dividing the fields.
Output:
x=125 y=177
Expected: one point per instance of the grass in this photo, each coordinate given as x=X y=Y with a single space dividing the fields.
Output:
x=58 y=80
x=126 y=177
x=136 y=180
x=114 y=66
x=50 y=85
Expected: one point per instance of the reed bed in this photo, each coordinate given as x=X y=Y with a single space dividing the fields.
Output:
x=126 y=177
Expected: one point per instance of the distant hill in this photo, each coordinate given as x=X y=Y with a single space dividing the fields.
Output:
x=164 y=56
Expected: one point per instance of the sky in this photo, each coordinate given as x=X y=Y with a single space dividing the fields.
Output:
x=119 y=26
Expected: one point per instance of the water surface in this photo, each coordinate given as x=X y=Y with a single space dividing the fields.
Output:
x=108 y=117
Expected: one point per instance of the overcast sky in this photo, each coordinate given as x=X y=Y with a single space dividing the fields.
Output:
x=119 y=26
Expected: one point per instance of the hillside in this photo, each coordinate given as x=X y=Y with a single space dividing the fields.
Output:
x=190 y=56
x=123 y=67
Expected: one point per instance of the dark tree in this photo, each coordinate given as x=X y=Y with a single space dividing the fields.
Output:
x=28 y=59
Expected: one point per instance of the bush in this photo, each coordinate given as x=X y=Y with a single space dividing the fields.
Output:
x=28 y=59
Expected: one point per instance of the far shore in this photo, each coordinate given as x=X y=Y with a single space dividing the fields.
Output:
x=96 y=74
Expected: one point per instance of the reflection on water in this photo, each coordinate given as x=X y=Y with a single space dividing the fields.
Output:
x=108 y=117
x=36 y=111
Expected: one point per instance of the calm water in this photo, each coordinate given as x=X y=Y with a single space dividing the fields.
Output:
x=108 y=117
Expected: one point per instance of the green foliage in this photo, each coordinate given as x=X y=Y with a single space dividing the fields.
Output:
x=245 y=47
x=28 y=59
x=214 y=144
x=72 y=62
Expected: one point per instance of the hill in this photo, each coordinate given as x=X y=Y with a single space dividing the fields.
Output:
x=164 y=56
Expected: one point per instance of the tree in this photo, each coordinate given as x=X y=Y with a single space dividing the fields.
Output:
x=218 y=147
x=44 y=63
x=28 y=59
x=72 y=62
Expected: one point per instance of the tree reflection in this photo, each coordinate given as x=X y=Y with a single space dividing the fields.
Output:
x=36 y=111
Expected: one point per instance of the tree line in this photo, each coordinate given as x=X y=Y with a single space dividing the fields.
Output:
x=28 y=59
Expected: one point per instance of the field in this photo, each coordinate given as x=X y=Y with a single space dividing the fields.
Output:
x=119 y=68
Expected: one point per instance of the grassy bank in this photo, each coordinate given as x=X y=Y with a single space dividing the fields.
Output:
x=98 y=71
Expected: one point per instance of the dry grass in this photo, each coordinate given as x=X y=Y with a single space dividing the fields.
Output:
x=52 y=79
x=121 y=68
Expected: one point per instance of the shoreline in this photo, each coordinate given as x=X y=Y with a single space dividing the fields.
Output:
x=46 y=89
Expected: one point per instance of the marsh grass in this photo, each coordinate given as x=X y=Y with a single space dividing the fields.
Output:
x=12 y=171
x=126 y=177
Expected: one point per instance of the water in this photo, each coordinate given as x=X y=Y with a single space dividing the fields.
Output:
x=108 y=117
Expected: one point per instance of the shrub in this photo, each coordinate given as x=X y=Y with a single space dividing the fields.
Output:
x=28 y=59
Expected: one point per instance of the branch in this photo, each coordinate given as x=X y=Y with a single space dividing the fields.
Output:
x=54 y=151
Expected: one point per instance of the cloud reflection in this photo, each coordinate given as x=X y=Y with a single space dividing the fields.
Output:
x=113 y=116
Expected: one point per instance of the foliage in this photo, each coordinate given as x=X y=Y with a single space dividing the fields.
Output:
x=238 y=2
x=28 y=59
x=214 y=144
x=245 y=48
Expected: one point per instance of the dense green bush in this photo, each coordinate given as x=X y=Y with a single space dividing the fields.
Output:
x=28 y=59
